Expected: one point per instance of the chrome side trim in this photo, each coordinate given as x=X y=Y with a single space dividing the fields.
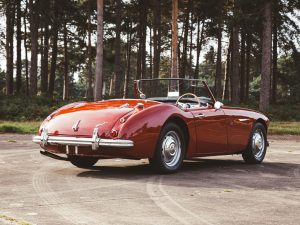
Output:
x=243 y=120
x=95 y=142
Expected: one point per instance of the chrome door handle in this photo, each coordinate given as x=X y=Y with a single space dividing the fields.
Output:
x=200 y=116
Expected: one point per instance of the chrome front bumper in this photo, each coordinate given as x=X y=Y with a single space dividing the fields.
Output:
x=95 y=142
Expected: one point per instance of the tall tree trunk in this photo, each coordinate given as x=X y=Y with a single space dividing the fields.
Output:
x=89 y=93
x=226 y=88
x=45 y=69
x=248 y=57
x=117 y=64
x=99 y=54
x=243 y=75
x=179 y=59
x=10 y=18
x=150 y=53
x=219 y=64
x=265 y=84
x=34 y=24
x=54 y=48
x=66 y=64
x=143 y=40
x=199 y=47
x=191 y=45
x=275 y=54
x=19 y=49
x=235 y=61
x=185 y=40
x=142 y=31
x=128 y=59
x=41 y=44
x=157 y=38
x=174 y=65
x=111 y=85
x=26 y=48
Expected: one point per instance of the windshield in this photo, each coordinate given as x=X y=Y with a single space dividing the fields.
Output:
x=166 y=89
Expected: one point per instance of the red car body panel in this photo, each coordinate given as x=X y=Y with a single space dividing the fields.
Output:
x=216 y=132
x=239 y=125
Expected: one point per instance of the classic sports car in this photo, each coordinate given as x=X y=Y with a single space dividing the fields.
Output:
x=165 y=130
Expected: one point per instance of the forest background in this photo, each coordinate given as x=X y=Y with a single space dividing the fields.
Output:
x=57 y=51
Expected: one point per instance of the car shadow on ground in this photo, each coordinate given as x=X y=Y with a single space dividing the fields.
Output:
x=209 y=173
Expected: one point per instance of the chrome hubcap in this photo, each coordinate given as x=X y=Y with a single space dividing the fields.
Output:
x=171 y=149
x=258 y=144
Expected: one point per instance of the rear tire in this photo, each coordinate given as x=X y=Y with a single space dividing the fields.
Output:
x=82 y=161
x=170 y=149
x=257 y=146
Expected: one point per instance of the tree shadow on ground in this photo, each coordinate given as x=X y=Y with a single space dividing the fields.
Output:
x=208 y=173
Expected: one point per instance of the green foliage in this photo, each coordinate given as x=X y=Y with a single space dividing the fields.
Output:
x=20 y=108
x=285 y=112
x=278 y=112
x=289 y=70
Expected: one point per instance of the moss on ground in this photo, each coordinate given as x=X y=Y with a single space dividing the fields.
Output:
x=13 y=220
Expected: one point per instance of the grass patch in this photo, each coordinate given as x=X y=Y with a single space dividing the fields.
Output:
x=284 y=127
x=19 y=127
x=276 y=127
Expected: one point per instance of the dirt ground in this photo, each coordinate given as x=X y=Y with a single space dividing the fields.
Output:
x=215 y=190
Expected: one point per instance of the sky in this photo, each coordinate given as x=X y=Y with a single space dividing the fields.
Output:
x=2 y=55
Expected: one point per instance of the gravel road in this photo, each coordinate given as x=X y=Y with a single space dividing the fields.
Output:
x=215 y=190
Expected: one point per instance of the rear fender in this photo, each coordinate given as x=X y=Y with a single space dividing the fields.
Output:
x=144 y=127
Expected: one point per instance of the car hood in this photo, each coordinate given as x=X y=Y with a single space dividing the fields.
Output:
x=80 y=119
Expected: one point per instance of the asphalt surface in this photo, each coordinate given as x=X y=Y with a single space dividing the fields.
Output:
x=215 y=190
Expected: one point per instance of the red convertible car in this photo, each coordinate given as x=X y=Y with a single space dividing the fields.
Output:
x=165 y=130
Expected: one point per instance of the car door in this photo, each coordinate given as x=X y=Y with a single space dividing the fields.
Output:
x=211 y=130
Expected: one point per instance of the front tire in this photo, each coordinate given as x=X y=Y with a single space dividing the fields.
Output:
x=257 y=146
x=82 y=161
x=170 y=149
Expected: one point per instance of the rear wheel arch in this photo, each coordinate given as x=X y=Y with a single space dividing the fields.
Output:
x=170 y=148
x=182 y=124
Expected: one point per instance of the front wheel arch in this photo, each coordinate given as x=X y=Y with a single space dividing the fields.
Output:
x=262 y=122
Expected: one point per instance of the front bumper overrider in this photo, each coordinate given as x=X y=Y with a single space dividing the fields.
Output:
x=95 y=141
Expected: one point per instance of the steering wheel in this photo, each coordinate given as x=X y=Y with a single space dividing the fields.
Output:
x=188 y=94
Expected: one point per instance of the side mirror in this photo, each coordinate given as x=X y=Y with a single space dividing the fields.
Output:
x=218 y=105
